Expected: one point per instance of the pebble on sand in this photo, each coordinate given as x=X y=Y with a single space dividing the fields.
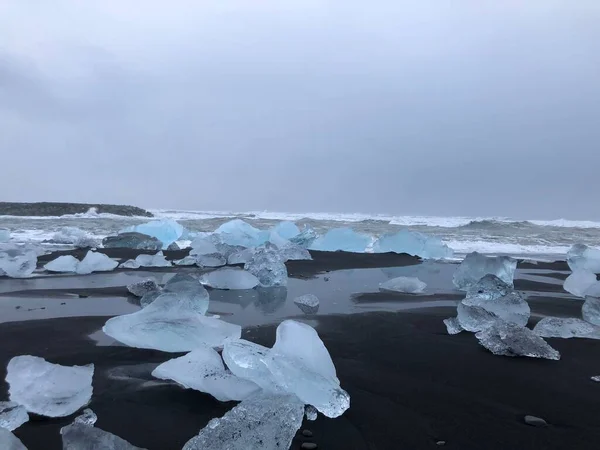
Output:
x=535 y=421
x=308 y=446
x=307 y=433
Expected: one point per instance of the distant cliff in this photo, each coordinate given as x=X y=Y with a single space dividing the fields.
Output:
x=43 y=209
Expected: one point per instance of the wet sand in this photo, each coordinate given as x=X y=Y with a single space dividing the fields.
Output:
x=411 y=384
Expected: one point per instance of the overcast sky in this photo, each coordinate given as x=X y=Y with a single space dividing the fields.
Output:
x=434 y=107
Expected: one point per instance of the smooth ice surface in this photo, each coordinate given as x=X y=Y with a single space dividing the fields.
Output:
x=17 y=262
x=240 y=257
x=579 y=282
x=474 y=318
x=507 y=339
x=165 y=230
x=246 y=360
x=453 y=325
x=141 y=288
x=157 y=260
x=174 y=322
x=265 y=422
x=566 y=327
x=476 y=265
x=229 y=278
x=510 y=308
x=49 y=389
x=413 y=243
x=286 y=229
x=203 y=370
x=63 y=264
x=293 y=252
x=344 y=239
x=9 y=441
x=134 y=240
x=308 y=303
x=305 y=238
x=190 y=292
x=88 y=417
x=409 y=285
x=582 y=257
x=488 y=287
x=238 y=232
x=210 y=260
x=4 y=235
x=267 y=265
x=590 y=311
x=203 y=245
x=12 y=415
x=96 y=262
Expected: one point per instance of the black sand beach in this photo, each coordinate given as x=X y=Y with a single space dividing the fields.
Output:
x=411 y=384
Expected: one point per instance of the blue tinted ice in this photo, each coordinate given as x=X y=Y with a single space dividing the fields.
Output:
x=475 y=266
x=413 y=243
x=344 y=239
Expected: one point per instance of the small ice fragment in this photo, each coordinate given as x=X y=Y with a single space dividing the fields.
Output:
x=474 y=318
x=344 y=239
x=579 y=282
x=16 y=261
x=453 y=325
x=246 y=360
x=590 y=311
x=566 y=328
x=238 y=232
x=88 y=417
x=134 y=240
x=96 y=262
x=12 y=415
x=409 y=285
x=9 y=441
x=510 y=308
x=508 y=339
x=308 y=303
x=264 y=421
x=203 y=370
x=49 y=389
x=141 y=288
x=413 y=243
x=267 y=265
x=475 y=266
x=211 y=260
x=63 y=264
x=582 y=257
x=229 y=278
x=311 y=413
x=187 y=261
x=489 y=287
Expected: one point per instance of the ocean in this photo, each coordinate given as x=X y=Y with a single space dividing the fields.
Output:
x=533 y=239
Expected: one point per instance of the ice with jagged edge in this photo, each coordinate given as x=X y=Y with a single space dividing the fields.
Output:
x=74 y=236
x=9 y=441
x=566 y=327
x=453 y=325
x=286 y=229
x=341 y=239
x=63 y=264
x=238 y=232
x=4 y=235
x=475 y=266
x=306 y=237
x=590 y=311
x=582 y=257
x=134 y=240
x=511 y=307
x=408 y=285
x=95 y=262
x=48 y=389
x=308 y=303
x=17 y=261
x=210 y=260
x=203 y=245
x=413 y=243
x=173 y=322
x=264 y=421
x=141 y=288
x=473 y=318
x=157 y=260
x=203 y=370
x=489 y=287
x=579 y=282
x=509 y=339
x=229 y=278
x=190 y=291
x=246 y=360
x=165 y=230
x=311 y=413
x=288 y=250
x=268 y=266
x=12 y=415
x=186 y=261
x=83 y=435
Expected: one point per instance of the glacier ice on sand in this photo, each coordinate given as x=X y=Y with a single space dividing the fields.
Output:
x=238 y=232
x=229 y=278
x=63 y=264
x=95 y=262
x=341 y=239
x=134 y=240
x=566 y=327
x=590 y=311
x=476 y=265
x=409 y=285
x=508 y=339
x=579 y=282
x=17 y=261
x=308 y=303
x=9 y=441
x=157 y=260
x=268 y=266
x=12 y=415
x=74 y=236
x=582 y=257
x=141 y=288
x=413 y=243
x=286 y=229
x=489 y=287
x=4 y=235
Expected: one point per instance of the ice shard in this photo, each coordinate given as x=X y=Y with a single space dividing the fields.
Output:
x=240 y=257
x=413 y=243
x=590 y=311
x=74 y=236
x=474 y=318
x=134 y=240
x=341 y=239
x=49 y=389
x=409 y=285
x=511 y=307
x=238 y=232
x=141 y=288
x=210 y=260
x=229 y=278
x=12 y=415
x=17 y=262
x=579 y=282
x=9 y=441
x=475 y=266
x=566 y=327
x=582 y=257
x=63 y=264
x=508 y=339
x=453 y=325
x=308 y=303
x=268 y=266
x=96 y=262
x=4 y=235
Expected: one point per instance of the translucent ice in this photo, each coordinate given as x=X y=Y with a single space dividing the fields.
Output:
x=73 y=236
x=453 y=325
x=582 y=257
x=187 y=261
x=137 y=241
x=17 y=262
x=511 y=308
x=173 y=322
x=130 y=264
x=141 y=288
x=203 y=245
x=203 y=370
x=308 y=303
x=305 y=238
x=49 y=389
x=240 y=257
x=210 y=260
x=566 y=328
x=409 y=285
x=246 y=360
x=311 y=413
x=12 y=415
x=579 y=282
x=413 y=243
x=9 y=441
x=489 y=287
x=63 y=264
x=4 y=235
x=267 y=265
x=344 y=239
x=88 y=417
x=229 y=278
x=590 y=311
x=157 y=260
x=508 y=339
x=265 y=422
x=149 y=297
x=238 y=232
x=293 y=252
x=165 y=230
x=476 y=265
x=474 y=318
x=286 y=230
x=96 y=262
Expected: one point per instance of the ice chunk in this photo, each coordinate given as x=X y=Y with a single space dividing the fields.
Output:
x=74 y=236
x=489 y=287
x=311 y=413
x=137 y=241
x=510 y=308
x=413 y=243
x=12 y=415
x=566 y=328
x=246 y=360
x=267 y=265
x=579 y=282
x=590 y=311
x=474 y=318
x=344 y=239
x=141 y=288
x=293 y=252
x=582 y=257
x=157 y=260
x=308 y=303
x=187 y=261
x=96 y=262
x=165 y=230
x=211 y=260
x=173 y=322
x=9 y=441
x=409 y=285
x=63 y=264
x=4 y=235
x=286 y=229
x=238 y=232
x=49 y=389
x=265 y=422
x=17 y=262
x=453 y=325
x=203 y=246
x=203 y=370
x=82 y=435
x=305 y=238
x=229 y=278
x=475 y=266
x=130 y=264
x=508 y=339
x=149 y=297
x=240 y=257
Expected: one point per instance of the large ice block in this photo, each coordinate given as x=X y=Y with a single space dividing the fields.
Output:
x=96 y=262
x=238 y=232
x=63 y=264
x=582 y=257
x=511 y=308
x=475 y=266
x=134 y=240
x=17 y=261
x=409 y=285
x=165 y=230
x=413 y=243
x=579 y=282
x=508 y=339
x=12 y=415
x=264 y=421
x=489 y=287
x=267 y=265
x=141 y=288
x=344 y=239
x=229 y=278
x=305 y=238
x=590 y=311
x=566 y=327
x=246 y=360
x=9 y=441
x=48 y=389
x=286 y=229
x=474 y=318
x=203 y=370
